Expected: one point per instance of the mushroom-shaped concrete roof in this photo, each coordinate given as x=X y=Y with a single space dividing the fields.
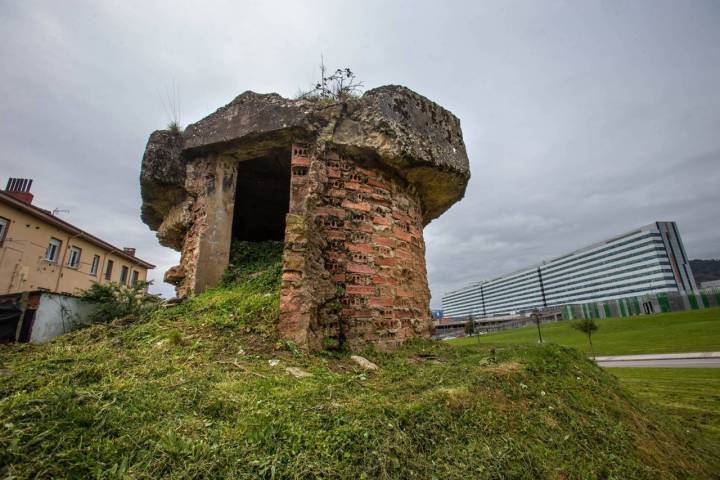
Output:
x=417 y=138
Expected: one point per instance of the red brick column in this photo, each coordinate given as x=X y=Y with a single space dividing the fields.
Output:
x=361 y=231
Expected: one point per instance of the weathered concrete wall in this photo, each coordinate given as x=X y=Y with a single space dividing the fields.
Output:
x=59 y=314
x=205 y=249
x=215 y=179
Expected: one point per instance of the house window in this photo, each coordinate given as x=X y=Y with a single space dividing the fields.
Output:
x=124 y=275
x=74 y=258
x=134 y=278
x=4 y=225
x=53 y=250
x=108 y=270
x=94 y=265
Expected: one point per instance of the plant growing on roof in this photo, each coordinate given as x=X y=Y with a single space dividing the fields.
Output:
x=337 y=86
x=171 y=105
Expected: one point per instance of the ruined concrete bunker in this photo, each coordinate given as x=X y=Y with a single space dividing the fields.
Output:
x=348 y=186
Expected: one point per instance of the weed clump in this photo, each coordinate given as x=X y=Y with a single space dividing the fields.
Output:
x=256 y=262
x=174 y=127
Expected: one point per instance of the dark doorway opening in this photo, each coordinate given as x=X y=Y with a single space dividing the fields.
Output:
x=262 y=198
x=9 y=317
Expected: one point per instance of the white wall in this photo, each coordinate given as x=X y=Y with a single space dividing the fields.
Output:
x=58 y=314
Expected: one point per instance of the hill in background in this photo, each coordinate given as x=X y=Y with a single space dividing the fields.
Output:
x=705 y=270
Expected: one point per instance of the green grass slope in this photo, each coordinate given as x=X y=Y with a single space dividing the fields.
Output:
x=691 y=395
x=201 y=391
x=691 y=331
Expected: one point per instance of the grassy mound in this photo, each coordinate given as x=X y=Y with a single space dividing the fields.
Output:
x=201 y=391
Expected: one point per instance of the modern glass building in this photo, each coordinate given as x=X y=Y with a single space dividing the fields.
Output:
x=650 y=259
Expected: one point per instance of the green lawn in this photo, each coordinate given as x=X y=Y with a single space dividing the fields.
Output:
x=691 y=395
x=692 y=331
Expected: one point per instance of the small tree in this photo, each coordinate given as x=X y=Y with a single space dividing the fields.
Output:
x=339 y=86
x=537 y=319
x=470 y=326
x=588 y=327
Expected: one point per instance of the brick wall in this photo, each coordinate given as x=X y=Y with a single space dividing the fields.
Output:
x=354 y=263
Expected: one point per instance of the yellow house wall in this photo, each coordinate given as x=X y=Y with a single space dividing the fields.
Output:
x=22 y=258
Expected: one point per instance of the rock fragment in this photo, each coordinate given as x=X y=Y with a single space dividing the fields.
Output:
x=364 y=362
x=298 y=372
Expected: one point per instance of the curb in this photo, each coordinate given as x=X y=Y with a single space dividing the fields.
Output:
x=659 y=356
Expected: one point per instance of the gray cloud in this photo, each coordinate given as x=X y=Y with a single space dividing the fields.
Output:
x=582 y=119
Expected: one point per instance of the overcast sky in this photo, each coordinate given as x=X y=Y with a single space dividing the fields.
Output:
x=582 y=119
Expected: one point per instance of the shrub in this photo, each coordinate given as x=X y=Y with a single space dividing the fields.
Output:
x=113 y=300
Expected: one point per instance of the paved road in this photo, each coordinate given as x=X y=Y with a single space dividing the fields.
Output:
x=668 y=360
